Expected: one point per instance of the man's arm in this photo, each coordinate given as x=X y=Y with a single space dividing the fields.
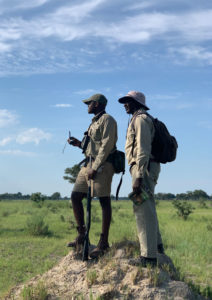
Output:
x=144 y=142
x=108 y=142
x=74 y=142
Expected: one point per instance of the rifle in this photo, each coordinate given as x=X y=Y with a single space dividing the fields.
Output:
x=88 y=220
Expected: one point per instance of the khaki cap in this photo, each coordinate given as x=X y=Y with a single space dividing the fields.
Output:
x=97 y=98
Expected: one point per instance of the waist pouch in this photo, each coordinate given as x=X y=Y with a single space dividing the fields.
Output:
x=117 y=158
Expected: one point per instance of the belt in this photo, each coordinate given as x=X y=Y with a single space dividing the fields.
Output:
x=85 y=161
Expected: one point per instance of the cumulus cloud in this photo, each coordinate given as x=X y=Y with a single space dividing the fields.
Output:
x=64 y=26
x=205 y=124
x=7 y=118
x=63 y=105
x=17 y=153
x=5 y=141
x=86 y=92
x=33 y=135
x=197 y=53
x=11 y=5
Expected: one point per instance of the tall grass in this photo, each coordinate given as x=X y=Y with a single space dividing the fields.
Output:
x=22 y=255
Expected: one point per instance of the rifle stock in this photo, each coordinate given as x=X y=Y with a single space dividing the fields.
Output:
x=88 y=221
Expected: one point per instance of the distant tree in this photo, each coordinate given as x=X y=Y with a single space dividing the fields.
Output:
x=55 y=196
x=112 y=197
x=37 y=198
x=197 y=194
x=181 y=196
x=164 y=196
x=72 y=172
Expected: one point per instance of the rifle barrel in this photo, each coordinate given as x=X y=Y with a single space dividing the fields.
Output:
x=88 y=220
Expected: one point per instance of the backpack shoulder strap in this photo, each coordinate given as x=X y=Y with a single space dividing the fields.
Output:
x=132 y=122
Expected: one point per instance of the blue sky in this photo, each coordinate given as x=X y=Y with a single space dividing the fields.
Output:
x=55 y=53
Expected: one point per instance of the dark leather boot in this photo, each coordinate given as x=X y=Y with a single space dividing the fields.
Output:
x=143 y=262
x=79 y=241
x=161 y=249
x=100 y=249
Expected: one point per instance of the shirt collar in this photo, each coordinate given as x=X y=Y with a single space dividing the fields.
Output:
x=96 y=118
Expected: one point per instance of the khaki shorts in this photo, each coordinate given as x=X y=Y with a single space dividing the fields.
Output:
x=101 y=185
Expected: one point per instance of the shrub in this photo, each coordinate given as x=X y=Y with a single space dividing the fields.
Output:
x=202 y=203
x=5 y=213
x=37 y=292
x=38 y=199
x=62 y=218
x=184 y=208
x=91 y=277
x=36 y=226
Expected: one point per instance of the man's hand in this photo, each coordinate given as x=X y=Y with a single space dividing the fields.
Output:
x=74 y=142
x=91 y=174
x=137 y=186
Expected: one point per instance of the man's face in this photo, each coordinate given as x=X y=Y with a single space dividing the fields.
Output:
x=92 y=107
x=129 y=106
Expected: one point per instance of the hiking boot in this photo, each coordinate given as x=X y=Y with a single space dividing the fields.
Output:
x=79 y=241
x=100 y=248
x=161 y=249
x=143 y=262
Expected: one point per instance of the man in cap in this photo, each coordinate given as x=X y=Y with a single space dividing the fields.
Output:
x=99 y=142
x=144 y=171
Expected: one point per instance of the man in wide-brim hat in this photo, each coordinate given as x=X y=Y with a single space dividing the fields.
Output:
x=144 y=171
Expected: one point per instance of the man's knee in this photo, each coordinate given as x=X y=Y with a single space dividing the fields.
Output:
x=77 y=196
x=105 y=202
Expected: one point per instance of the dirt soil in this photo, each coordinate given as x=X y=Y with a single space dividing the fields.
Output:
x=110 y=277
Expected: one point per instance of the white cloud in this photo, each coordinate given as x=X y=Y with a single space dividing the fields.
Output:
x=85 y=92
x=33 y=135
x=7 y=118
x=5 y=141
x=17 y=153
x=205 y=124
x=164 y=96
x=4 y=47
x=174 y=105
x=63 y=105
x=12 y=5
x=68 y=23
x=23 y=41
x=140 y=5
x=194 y=53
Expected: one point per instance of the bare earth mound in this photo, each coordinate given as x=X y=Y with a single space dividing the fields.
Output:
x=111 y=277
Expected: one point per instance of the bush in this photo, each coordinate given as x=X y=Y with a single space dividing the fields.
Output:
x=184 y=208
x=36 y=226
x=202 y=203
x=38 y=292
x=38 y=199
x=5 y=213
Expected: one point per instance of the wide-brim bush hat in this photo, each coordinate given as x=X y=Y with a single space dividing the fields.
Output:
x=135 y=95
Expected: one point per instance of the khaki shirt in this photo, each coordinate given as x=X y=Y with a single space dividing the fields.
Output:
x=103 y=138
x=143 y=132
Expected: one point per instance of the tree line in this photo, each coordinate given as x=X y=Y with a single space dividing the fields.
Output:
x=20 y=196
x=190 y=195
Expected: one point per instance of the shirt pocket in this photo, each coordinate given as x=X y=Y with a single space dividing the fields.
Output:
x=95 y=133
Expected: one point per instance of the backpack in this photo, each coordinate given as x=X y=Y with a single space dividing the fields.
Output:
x=164 y=145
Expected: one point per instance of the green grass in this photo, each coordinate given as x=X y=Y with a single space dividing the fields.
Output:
x=23 y=256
